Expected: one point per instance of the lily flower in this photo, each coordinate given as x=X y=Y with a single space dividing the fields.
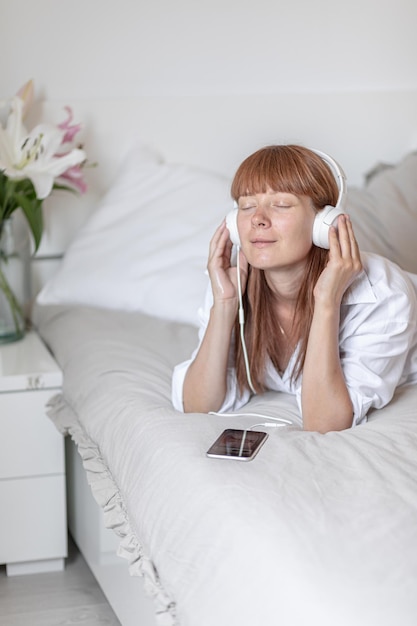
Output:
x=70 y=129
x=75 y=176
x=34 y=155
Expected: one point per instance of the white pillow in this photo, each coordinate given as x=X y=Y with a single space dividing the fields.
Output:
x=146 y=245
x=384 y=213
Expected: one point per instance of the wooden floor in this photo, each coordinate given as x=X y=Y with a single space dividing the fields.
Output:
x=55 y=599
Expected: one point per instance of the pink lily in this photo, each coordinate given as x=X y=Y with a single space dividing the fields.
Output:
x=69 y=129
x=75 y=176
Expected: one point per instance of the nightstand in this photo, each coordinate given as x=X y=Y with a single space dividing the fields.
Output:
x=33 y=526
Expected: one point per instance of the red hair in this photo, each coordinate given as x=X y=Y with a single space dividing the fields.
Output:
x=289 y=169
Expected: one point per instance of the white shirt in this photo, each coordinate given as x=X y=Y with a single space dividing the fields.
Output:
x=377 y=342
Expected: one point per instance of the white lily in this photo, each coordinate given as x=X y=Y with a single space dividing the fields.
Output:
x=34 y=155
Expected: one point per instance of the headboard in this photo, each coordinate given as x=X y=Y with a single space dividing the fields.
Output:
x=359 y=129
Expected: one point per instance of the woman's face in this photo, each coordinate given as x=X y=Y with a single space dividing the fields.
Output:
x=275 y=229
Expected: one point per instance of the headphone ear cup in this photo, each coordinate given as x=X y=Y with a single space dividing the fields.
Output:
x=322 y=222
x=231 y=224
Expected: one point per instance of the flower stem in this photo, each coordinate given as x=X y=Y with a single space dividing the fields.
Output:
x=15 y=308
x=8 y=205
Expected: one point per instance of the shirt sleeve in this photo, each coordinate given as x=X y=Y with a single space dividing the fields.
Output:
x=375 y=341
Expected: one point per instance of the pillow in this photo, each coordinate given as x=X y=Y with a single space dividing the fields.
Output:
x=146 y=245
x=384 y=213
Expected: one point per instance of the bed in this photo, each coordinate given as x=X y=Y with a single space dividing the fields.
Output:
x=317 y=529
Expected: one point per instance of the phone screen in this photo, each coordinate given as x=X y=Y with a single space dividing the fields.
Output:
x=237 y=444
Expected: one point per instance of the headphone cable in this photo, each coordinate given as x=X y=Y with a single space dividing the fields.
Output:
x=242 y=323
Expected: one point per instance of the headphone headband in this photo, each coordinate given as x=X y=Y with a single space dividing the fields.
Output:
x=338 y=173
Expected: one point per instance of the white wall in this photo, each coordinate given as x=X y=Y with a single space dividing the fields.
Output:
x=124 y=48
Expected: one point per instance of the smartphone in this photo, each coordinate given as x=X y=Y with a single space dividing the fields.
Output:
x=242 y=445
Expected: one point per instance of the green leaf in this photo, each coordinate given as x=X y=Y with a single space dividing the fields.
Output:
x=32 y=208
x=66 y=188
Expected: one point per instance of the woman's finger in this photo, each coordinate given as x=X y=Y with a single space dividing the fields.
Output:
x=353 y=243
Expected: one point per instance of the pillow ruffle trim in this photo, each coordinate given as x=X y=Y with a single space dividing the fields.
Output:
x=108 y=497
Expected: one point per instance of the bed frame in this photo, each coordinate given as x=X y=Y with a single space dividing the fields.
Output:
x=98 y=546
x=359 y=129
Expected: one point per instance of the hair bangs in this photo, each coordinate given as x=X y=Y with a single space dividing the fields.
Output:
x=285 y=169
x=268 y=168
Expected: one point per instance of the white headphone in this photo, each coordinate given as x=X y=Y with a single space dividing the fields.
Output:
x=324 y=218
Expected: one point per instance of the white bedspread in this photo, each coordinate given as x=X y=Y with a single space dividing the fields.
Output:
x=317 y=529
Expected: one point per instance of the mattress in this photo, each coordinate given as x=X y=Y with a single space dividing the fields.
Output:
x=317 y=529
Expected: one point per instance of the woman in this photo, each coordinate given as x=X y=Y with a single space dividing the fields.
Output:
x=335 y=327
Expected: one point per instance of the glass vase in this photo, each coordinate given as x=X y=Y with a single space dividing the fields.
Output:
x=14 y=278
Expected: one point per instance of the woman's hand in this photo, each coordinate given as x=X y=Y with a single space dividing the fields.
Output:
x=222 y=274
x=343 y=266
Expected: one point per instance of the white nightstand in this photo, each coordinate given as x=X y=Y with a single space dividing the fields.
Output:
x=33 y=526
